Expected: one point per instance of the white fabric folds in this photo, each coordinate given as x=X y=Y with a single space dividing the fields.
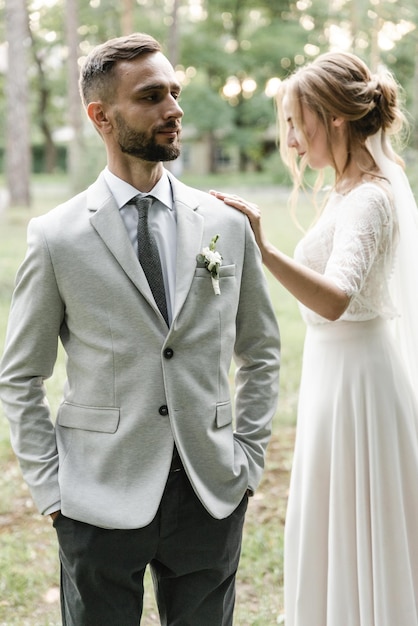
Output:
x=351 y=541
x=404 y=282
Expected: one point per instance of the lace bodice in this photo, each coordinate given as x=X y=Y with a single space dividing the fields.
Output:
x=353 y=243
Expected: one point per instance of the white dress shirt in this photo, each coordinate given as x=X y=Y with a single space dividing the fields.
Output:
x=162 y=221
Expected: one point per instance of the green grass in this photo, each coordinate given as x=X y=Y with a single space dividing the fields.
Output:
x=29 y=572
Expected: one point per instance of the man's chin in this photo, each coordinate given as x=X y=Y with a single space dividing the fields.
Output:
x=155 y=154
x=172 y=157
x=170 y=153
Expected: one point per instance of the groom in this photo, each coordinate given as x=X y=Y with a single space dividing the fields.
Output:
x=148 y=463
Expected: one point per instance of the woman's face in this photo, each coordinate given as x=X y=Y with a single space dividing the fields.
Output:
x=312 y=141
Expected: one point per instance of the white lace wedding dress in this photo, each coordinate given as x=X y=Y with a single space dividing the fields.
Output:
x=351 y=536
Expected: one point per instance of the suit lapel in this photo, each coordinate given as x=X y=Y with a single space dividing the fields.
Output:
x=106 y=220
x=189 y=240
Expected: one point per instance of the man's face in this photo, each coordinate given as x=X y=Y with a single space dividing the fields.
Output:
x=146 y=113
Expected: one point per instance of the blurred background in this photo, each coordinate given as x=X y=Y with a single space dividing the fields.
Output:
x=229 y=56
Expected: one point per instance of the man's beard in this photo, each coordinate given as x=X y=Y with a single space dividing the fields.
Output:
x=144 y=146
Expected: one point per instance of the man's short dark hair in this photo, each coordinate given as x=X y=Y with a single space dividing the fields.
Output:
x=96 y=78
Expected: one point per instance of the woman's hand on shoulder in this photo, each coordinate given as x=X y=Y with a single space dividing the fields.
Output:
x=250 y=209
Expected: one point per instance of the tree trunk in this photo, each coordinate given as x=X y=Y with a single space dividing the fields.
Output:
x=173 y=35
x=127 y=17
x=212 y=143
x=50 y=149
x=75 y=155
x=18 y=151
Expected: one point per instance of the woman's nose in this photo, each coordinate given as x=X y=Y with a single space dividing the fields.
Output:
x=291 y=139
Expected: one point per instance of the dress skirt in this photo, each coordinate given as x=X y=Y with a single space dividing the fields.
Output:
x=351 y=534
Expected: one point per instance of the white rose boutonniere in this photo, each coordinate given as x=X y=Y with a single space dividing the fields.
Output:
x=212 y=261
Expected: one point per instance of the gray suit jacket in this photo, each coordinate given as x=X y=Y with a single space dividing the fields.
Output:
x=134 y=387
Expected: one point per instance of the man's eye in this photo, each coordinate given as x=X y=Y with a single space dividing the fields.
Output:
x=151 y=96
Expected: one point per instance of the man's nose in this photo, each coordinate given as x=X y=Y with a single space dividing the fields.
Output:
x=174 y=109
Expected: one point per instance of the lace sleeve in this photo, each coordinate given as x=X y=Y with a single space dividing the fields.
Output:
x=362 y=232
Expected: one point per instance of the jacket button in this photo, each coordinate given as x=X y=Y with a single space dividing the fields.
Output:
x=168 y=353
x=163 y=410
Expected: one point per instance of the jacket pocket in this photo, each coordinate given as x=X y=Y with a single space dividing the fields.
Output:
x=224 y=270
x=223 y=414
x=92 y=418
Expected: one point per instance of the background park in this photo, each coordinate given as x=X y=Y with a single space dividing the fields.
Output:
x=229 y=56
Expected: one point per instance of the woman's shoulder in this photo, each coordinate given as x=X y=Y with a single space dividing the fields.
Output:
x=367 y=207
x=374 y=188
x=370 y=195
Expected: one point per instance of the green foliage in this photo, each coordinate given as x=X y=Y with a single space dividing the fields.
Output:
x=205 y=110
x=220 y=39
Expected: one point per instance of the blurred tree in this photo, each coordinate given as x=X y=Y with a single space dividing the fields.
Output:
x=18 y=156
x=383 y=33
x=127 y=17
x=43 y=108
x=173 y=33
x=208 y=116
x=226 y=52
x=75 y=162
x=235 y=47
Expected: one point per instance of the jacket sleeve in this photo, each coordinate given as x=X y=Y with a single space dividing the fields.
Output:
x=28 y=360
x=257 y=356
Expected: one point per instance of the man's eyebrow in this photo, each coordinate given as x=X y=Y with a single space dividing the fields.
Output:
x=158 y=87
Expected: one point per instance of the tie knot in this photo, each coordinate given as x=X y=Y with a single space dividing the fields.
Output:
x=142 y=204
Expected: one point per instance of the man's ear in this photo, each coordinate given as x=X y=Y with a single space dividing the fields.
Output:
x=98 y=115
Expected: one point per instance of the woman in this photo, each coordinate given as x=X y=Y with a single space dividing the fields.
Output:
x=351 y=540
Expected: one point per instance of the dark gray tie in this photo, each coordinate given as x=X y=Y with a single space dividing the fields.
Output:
x=148 y=254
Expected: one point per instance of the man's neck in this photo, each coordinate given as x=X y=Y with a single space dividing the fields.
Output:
x=142 y=175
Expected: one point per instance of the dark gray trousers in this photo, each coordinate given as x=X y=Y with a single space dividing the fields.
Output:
x=193 y=559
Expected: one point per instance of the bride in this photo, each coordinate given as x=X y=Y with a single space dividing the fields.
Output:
x=351 y=540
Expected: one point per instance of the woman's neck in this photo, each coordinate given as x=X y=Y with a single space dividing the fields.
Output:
x=360 y=169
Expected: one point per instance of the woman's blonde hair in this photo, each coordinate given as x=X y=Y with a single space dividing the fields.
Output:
x=339 y=84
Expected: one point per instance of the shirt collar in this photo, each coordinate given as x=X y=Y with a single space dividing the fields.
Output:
x=123 y=192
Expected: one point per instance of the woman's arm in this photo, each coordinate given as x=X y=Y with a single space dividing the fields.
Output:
x=312 y=289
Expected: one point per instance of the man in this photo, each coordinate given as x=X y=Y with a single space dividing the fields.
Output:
x=143 y=466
